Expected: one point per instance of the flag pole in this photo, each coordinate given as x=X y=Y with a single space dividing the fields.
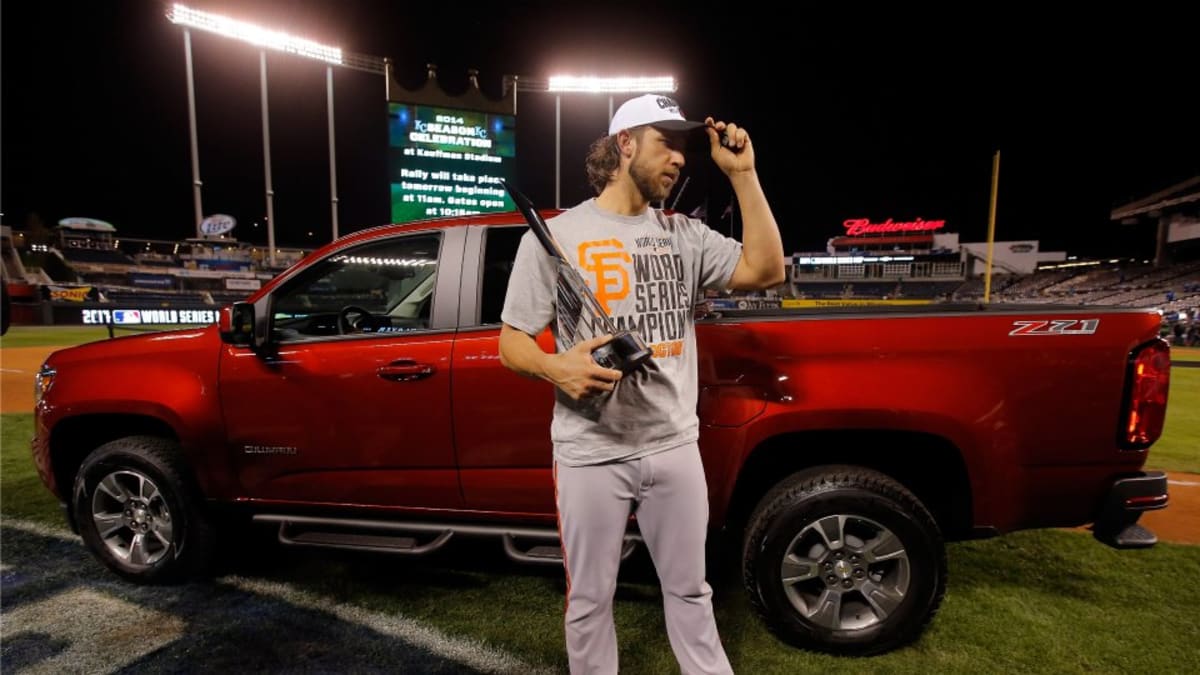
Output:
x=991 y=238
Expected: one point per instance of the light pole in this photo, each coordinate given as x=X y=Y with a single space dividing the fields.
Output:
x=279 y=41
x=266 y=126
x=333 y=198
x=191 y=90
x=560 y=84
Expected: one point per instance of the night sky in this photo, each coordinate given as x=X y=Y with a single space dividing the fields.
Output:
x=857 y=115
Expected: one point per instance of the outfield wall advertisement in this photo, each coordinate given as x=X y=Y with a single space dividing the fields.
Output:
x=448 y=162
x=126 y=315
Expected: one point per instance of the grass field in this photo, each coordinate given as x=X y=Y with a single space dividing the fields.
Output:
x=65 y=336
x=1179 y=447
x=1185 y=353
x=1041 y=601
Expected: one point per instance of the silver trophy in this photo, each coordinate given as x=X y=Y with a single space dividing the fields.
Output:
x=580 y=316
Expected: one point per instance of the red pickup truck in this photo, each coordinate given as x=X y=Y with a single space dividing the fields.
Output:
x=358 y=401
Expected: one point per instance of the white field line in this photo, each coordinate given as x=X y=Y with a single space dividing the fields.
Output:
x=465 y=651
x=468 y=652
x=38 y=529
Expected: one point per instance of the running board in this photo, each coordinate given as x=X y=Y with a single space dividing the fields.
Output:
x=552 y=554
x=363 y=542
x=353 y=535
x=386 y=536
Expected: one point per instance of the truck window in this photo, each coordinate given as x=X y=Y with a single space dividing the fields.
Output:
x=499 y=252
x=381 y=287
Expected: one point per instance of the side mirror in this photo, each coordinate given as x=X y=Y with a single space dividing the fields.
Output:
x=246 y=324
x=236 y=324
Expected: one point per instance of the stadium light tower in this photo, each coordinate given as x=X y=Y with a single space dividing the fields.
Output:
x=560 y=84
x=265 y=38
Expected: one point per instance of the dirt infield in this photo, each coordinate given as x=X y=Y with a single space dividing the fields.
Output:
x=1179 y=522
x=18 y=365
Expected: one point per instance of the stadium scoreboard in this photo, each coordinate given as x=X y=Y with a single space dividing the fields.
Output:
x=448 y=162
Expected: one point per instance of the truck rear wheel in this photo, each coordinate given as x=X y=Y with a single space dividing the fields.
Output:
x=845 y=560
x=138 y=512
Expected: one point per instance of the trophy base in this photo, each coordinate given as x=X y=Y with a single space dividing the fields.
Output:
x=626 y=352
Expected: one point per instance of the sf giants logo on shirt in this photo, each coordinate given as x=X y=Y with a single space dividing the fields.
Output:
x=608 y=261
x=1055 y=327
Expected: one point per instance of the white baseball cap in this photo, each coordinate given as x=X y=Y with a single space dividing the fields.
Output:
x=653 y=109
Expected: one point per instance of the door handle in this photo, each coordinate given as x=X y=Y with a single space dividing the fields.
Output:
x=406 y=370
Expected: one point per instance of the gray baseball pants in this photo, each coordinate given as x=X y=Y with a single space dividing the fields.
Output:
x=668 y=492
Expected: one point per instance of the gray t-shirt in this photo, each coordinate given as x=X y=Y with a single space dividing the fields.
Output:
x=647 y=271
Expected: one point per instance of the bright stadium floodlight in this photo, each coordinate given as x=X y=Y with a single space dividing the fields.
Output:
x=589 y=84
x=612 y=85
x=255 y=35
x=265 y=39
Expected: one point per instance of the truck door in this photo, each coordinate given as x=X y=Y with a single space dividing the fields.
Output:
x=502 y=420
x=351 y=405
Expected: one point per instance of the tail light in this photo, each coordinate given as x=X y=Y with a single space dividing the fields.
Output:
x=1145 y=405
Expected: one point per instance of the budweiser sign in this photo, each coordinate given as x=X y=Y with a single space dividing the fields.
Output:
x=857 y=226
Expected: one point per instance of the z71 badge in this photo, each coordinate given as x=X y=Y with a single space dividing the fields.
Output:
x=1055 y=327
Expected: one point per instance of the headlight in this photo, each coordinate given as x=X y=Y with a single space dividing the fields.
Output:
x=41 y=383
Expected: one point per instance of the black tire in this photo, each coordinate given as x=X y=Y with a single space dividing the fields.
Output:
x=139 y=486
x=836 y=522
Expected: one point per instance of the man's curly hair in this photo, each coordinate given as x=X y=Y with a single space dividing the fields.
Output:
x=604 y=157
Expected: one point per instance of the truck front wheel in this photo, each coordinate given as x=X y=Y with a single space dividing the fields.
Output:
x=845 y=560
x=138 y=512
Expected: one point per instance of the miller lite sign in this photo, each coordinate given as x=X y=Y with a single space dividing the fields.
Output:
x=217 y=224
